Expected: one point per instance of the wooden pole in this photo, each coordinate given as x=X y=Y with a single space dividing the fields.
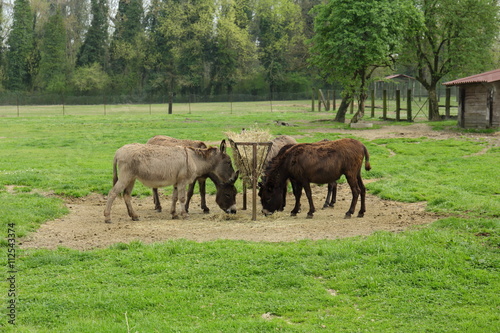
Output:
x=398 y=105
x=373 y=103
x=448 y=102
x=384 y=104
x=312 y=100
x=409 y=99
x=254 y=182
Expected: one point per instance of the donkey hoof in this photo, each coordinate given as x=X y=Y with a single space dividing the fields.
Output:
x=206 y=211
x=107 y=221
x=135 y=218
x=309 y=216
x=347 y=216
x=361 y=215
x=158 y=210
x=293 y=214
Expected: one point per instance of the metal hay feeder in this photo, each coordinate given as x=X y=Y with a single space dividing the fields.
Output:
x=252 y=167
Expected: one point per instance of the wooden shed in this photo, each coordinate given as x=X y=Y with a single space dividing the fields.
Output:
x=478 y=100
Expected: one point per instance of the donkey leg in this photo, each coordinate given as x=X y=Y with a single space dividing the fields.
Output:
x=333 y=188
x=353 y=183
x=202 y=187
x=181 y=192
x=362 y=188
x=113 y=193
x=328 y=197
x=175 y=195
x=297 y=192
x=307 y=189
x=189 y=195
x=127 y=198
x=156 y=200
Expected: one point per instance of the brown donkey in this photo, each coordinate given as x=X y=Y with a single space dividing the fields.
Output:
x=320 y=163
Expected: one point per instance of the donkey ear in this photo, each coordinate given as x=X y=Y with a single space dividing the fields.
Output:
x=223 y=146
x=234 y=177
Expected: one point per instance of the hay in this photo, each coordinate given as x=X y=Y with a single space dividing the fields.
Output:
x=244 y=160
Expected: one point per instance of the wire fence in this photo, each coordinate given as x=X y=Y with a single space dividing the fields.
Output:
x=25 y=105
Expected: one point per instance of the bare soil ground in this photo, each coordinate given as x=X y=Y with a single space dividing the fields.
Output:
x=84 y=227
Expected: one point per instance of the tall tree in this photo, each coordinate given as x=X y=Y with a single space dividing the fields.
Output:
x=127 y=46
x=450 y=37
x=53 y=63
x=94 y=48
x=181 y=32
x=20 y=54
x=76 y=18
x=2 y=48
x=278 y=30
x=353 y=38
x=233 y=52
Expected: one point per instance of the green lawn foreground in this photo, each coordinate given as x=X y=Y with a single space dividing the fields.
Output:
x=438 y=278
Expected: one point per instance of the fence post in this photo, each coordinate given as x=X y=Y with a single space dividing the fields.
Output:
x=398 y=105
x=384 y=104
x=312 y=99
x=448 y=102
x=409 y=99
x=64 y=111
x=334 y=102
x=327 y=107
x=373 y=103
x=351 y=108
x=319 y=100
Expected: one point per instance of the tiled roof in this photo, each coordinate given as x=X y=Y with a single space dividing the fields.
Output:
x=486 y=77
x=398 y=76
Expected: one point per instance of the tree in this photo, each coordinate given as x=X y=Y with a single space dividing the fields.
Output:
x=232 y=49
x=2 y=49
x=20 y=54
x=53 y=63
x=76 y=14
x=90 y=78
x=450 y=37
x=127 y=46
x=180 y=32
x=94 y=48
x=353 y=38
x=278 y=29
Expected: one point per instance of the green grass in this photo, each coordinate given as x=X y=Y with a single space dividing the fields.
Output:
x=437 y=278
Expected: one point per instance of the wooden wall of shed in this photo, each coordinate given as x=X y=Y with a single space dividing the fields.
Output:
x=495 y=120
x=479 y=111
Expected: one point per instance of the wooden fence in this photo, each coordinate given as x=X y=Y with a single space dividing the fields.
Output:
x=402 y=107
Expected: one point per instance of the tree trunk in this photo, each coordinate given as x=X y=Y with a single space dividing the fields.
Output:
x=433 y=104
x=361 y=108
x=344 y=106
x=170 y=102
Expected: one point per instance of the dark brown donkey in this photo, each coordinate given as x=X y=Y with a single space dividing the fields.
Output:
x=331 y=197
x=320 y=163
x=164 y=140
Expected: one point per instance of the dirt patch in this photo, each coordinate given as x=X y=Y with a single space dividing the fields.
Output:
x=84 y=227
x=413 y=131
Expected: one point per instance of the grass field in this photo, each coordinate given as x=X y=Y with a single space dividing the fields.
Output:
x=437 y=278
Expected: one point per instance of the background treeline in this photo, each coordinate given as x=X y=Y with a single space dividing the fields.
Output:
x=130 y=47
x=158 y=48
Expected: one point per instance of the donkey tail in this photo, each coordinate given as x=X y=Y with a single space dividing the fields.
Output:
x=367 y=159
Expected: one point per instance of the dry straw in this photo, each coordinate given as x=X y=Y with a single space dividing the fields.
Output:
x=243 y=155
